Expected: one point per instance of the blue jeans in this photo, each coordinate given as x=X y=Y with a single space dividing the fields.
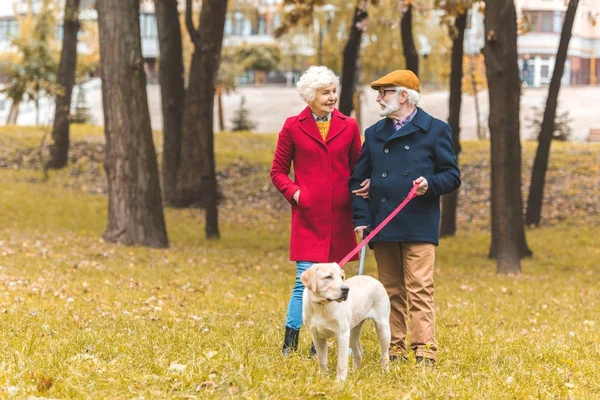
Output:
x=293 y=318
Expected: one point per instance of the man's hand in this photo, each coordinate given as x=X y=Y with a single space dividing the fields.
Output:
x=364 y=190
x=423 y=185
x=360 y=231
x=296 y=196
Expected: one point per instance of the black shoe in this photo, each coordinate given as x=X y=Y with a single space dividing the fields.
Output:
x=428 y=362
x=313 y=351
x=290 y=341
x=398 y=358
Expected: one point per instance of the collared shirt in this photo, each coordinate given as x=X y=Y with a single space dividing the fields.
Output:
x=322 y=119
x=400 y=123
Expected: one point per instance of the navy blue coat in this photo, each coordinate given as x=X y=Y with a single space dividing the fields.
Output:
x=393 y=160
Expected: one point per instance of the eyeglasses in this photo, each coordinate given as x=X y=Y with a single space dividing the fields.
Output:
x=383 y=92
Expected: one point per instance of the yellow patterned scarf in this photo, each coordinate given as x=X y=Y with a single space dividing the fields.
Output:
x=324 y=128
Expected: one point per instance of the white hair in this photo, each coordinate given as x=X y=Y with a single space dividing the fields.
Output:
x=313 y=79
x=413 y=95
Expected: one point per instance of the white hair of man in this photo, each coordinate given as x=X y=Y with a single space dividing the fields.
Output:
x=315 y=78
x=413 y=95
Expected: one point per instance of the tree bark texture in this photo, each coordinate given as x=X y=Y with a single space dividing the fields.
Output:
x=172 y=89
x=13 y=113
x=450 y=200
x=542 y=155
x=135 y=214
x=59 y=149
x=408 y=42
x=502 y=70
x=351 y=55
x=198 y=183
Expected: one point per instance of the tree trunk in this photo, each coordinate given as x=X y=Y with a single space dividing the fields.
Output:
x=37 y=109
x=475 y=98
x=59 y=149
x=450 y=200
x=408 y=43
x=198 y=181
x=508 y=230
x=13 y=114
x=220 y=109
x=540 y=165
x=351 y=54
x=172 y=89
x=135 y=214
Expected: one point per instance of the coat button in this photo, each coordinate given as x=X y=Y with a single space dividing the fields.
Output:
x=405 y=173
x=386 y=151
x=383 y=200
x=407 y=147
x=384 y=174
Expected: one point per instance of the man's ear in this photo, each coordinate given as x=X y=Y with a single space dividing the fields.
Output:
x=309 y=278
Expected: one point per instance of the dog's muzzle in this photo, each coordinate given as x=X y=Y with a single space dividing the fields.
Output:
x=345 y=290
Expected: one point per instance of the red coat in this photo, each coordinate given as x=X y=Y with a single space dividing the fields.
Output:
x=322 y=229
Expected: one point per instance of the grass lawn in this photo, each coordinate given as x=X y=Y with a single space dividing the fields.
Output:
x=81 y=318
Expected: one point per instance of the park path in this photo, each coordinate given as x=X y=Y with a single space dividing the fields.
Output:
x=269 y=106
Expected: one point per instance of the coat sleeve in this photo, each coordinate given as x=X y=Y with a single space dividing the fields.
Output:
x=355 y=147
x=447 y=175
x=362 y=170
x=282 y=161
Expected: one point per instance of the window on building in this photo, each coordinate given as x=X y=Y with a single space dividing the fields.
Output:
x=262 y=25
x=558 y=21
x=543 y=21
x=546 y=21
x=238 y=23
x=531 y=20
x=228 y=29
x=148 y=28
x=8 y=29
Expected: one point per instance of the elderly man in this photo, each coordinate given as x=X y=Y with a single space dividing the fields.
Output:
x=408 y=146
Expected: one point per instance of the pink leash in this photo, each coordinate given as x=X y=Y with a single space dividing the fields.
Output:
x=411 y=195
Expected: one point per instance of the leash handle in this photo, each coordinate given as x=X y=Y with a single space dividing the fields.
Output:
x=411 y=195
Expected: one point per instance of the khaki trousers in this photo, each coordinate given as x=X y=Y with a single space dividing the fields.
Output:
x=406 y=271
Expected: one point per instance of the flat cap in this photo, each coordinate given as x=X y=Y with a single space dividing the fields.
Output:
x=402 y=77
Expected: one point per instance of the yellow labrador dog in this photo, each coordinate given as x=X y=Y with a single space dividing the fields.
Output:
x=335 y=308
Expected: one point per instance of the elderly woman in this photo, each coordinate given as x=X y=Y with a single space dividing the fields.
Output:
x=323 y=145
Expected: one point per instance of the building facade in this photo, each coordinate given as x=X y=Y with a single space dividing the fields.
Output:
x=542 y=22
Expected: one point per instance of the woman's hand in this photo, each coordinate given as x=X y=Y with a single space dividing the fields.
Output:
x=296 y=196
x=364 y=190
x=360 y=231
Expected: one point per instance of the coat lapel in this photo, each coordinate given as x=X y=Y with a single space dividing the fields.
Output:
x=309 y=126
x=384 y=129
x=421 y=121
x=338 y=124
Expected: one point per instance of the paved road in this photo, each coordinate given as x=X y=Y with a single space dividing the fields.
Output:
x=269 y=106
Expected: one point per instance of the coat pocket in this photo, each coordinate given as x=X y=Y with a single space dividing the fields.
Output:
x=304 y=200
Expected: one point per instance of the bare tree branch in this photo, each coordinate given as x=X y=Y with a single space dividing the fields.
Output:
x=189 y=23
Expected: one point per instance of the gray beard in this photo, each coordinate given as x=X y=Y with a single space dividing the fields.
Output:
x=389 y=109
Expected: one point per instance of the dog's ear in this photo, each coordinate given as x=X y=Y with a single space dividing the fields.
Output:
x=309 y=278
